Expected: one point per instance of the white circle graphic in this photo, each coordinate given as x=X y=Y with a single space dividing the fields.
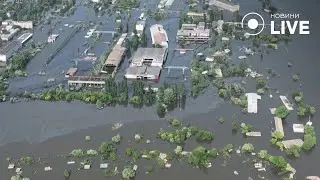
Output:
x=253 y=23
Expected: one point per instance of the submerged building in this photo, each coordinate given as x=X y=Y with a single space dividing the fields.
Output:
x=147 y=63
x=115 y=57
x=225 y=5
x=194 y=33
x=7 y=50
x=228 y=11
x=159 y=36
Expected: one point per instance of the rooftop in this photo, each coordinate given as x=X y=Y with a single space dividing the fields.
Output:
x=9 y=46
x=115 y=56
x=289 y=143
x=159 y=35
x=195 y=14
x=278 y=124
x=157 y=55
x=117 y=52
x=225 y=4
x=194 y=30
x=252 y=99
x=143 y=71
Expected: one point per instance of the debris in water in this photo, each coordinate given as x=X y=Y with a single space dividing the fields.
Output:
x=235 y=172
x=47 y=168
x=290 y=64
x=116 y=126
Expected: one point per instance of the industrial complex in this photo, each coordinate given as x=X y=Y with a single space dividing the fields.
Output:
x=147 y=63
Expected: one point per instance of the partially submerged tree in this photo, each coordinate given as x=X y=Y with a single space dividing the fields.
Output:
x=281 y=112
x=294 y=151
x=128 y=173
x=247 y=148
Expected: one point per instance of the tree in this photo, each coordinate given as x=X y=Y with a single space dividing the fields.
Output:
x=279 y=163
x=175 y=122
x=128 y=173
x=235 y=126
x=144 y=40
x=263 y=154
x=295 y=77
x=294 y=151
x=66 y=174
x=161 y=110
x=116 y=138
x=198 y=157
x=309 y=142
x=261 y=82
x=281 y=112
x=276 y=136
x=16 y=177
x=169 y=97
x=247 y=148
x=204 y=136
x=260 y=91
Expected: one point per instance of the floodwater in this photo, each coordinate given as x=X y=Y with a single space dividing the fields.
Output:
x=36 y=122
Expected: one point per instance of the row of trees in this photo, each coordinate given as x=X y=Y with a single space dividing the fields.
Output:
x=166 y=98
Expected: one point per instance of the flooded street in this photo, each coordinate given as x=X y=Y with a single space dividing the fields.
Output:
x=36 y=128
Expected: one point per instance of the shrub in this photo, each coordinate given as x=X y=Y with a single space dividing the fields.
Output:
x=175 y=122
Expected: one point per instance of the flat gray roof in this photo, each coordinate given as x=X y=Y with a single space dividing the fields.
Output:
x=156 y=54
x=8 y=46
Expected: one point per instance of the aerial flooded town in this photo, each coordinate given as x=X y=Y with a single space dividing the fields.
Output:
x=159 y=89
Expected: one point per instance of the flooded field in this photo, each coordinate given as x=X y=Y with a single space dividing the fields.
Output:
x=36 y=128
